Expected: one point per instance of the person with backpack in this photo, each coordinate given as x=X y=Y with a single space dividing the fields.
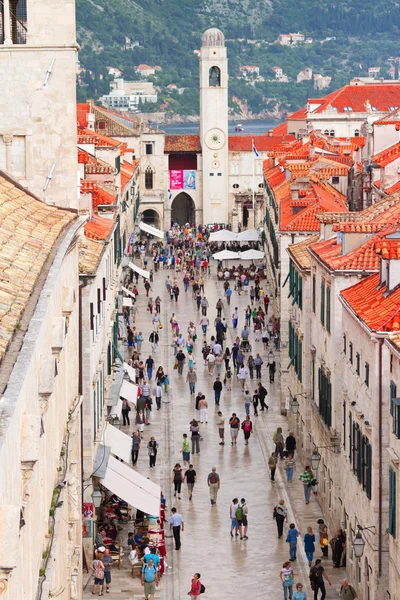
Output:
x=347 y=592
x=317 y=576
x=98 y=568
x=292 y=536
x=149 y=579
x=280 y=516
x=247 y=427
x=241 y=517
x=197 y=587
x=213 y=481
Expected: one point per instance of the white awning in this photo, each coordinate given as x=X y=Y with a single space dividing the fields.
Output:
x=248 y=235
x=251 y=255
x=124 y=289
x=150 y=229
x=223 y=235
x=119 y=442
x=132 y=487
x=141 y=272
x=226 y=255
x=129 y=391
x=126 y=301
x=131 y=371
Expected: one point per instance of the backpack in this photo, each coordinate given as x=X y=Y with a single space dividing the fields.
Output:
x=239 y=513
x=202 y=588
x=213 y=478
x=99 y=573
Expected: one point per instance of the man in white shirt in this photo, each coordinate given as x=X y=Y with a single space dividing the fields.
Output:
x=221 y=427
x=210 y=361
x=242 y=376
x=217 y=349
x=204 y=324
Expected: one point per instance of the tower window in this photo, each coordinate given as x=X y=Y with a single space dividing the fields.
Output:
x=149 y=148
x=148 y=178
x=13 y=30
x=214 y=77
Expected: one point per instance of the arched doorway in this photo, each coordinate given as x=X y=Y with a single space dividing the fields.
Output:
x=151 y=217
x=246 y=205
x=183 y=209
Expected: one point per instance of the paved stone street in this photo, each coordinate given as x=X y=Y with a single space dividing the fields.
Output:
x=230 y=567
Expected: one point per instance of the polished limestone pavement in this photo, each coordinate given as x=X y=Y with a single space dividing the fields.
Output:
x=229 y=567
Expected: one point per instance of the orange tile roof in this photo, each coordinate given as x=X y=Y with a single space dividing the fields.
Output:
x=300 y=253
x=182 y=143
x=393 y=188
x=82 y=109
x=358 y=227
x=98 y=167
x=90 y=253
x=281 y=129
x=380 y=312
x=98 y=228
x=388 y=248
x=394 y=339
x=85 y=134
x=83 y=157
x=243 y=143
x=387 y=156
x=101 y=194
x=380 y=95
x=299 y=115
x=392 y=118
x=29 y=229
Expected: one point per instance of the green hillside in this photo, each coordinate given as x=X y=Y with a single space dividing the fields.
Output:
x=166 y=32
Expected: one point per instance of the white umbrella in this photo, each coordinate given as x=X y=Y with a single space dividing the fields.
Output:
x=223 y=235
x=248 y=235
x=226 y=255
x=251 y=254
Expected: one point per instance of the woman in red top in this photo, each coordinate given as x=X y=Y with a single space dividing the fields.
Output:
x=196 y=586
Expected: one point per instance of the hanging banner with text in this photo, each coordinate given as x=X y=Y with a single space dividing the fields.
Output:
x=182 y=180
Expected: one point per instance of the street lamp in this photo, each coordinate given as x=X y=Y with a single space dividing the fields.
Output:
x=315 y=460
x=295 y=406
x=97 y=497
x=358 y=545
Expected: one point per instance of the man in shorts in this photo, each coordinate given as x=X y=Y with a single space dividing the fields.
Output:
x=241 y=517
x=107 y=562
x=191 y=478
x=149 y=579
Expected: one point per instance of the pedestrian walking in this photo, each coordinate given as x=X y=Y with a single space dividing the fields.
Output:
x=197 y=587
x=247 y=427
x=125 y=412
x=232 y=514
x=177 y=524
x=191 y=478
x=299 y=593
x=242 y=519
x=195 y=429
x=317 y=576
x=204 y=306
x=154 y=339
x=347 y=592
x=140 y=420
x=309 y=545
x=290 y=444
x=255 y=399
x=177 y=477
x=339 y=547
x=324 y=542
x=139 y=342
x=136 y=441
x=203 y=406
x=191 y=378
x=221 y=427
x=258 y=363
x=272 y=462
x=234 y=425
x=213 y=482
x=157 y=393
x=228 y=379
x=180 y=360
x=152 y=448
x=108 y=562
x=210 y=361
x=271 y=369
x=278 y=441
x=287 y=578
x=149 y=366
x=98 y=568
x=280 y=516
x=242 y=374
x=263 y=394
x=185 y=450
x=228 y=294
x=204 y=324
x=219 y=306
x=235 y=318
x=290 y=466
x=307 y=477
x=217 y=387
x=291 y=538
x=247 y=400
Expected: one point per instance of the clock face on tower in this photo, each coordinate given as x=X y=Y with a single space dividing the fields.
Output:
x=214 y=139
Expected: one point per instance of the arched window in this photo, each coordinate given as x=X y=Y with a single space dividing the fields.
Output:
x=148 y=178
x=332 y=133
x=357 y=133
x=214 y=77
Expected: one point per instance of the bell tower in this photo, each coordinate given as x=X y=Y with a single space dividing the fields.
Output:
x=214 y=126
x=38 y=54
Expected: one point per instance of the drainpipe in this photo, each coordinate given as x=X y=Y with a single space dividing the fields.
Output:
x=380 y=533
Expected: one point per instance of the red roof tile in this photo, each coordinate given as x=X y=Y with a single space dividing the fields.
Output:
x=392 y=188
x=182 y=143
x=379 y=95
x=82 y=109
x=83 y=157
x=97 y=138
x=387 y=156
x=243 y=143
x=380 y=312
x=388 y=249
x=98 y=228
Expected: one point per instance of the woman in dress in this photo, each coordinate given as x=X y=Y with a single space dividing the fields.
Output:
x=177 y=480
x=140 y=421
x=309 y=546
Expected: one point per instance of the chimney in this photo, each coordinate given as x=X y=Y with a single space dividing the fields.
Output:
x=270 y=132
x=389 y=250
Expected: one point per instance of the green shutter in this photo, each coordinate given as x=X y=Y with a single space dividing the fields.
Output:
x=314 y=285
x=392 y=502
x=328 y=309
x=300 y=299
x=300 y=362
x=322 y=306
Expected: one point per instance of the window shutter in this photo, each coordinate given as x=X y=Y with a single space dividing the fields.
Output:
x=328 y=309
x=314 y=285
x=91 y=317
x=368 y=474
x=300 y=292
x=392 y=502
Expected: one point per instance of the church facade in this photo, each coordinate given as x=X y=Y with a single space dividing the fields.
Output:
x=210 y=177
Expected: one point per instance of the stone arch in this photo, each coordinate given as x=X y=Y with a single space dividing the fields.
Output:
x=214 y=76
x=183 y=209
x=152 y=217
